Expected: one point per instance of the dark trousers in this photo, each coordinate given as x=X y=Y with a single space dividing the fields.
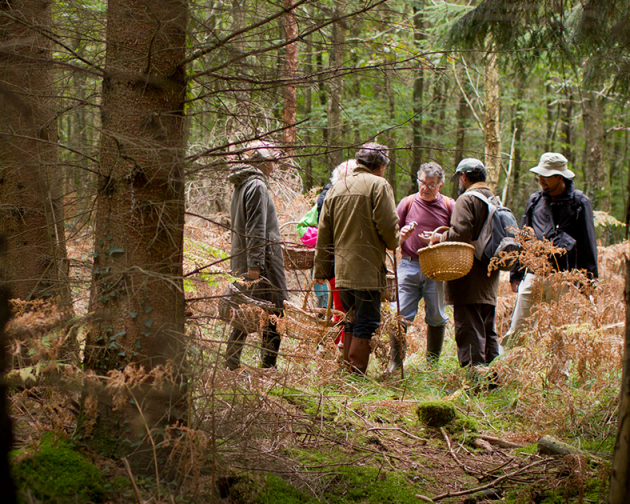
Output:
x=268 y=350
x=367 y=311
x=476 y=338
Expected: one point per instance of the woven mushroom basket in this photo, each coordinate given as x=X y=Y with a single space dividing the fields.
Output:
x=297 y=257
x=446 y=261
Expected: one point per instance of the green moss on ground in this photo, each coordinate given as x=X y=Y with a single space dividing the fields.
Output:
x=57 y=474
x=436 y=413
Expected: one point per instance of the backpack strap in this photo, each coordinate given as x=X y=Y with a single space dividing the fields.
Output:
x=448 y=203
x=477 y=194
x=410 y=199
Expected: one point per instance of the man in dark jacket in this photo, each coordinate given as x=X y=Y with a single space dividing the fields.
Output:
x=256 y=252
x=474 y=296
x=564 y=216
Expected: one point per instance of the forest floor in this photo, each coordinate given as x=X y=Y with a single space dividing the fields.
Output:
x=311 y=432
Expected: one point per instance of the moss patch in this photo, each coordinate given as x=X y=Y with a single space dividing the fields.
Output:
x=436 y=413
x=57 y=474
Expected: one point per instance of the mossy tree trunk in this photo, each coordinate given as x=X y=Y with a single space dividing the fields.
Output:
x=137 y=297
x=31 y=181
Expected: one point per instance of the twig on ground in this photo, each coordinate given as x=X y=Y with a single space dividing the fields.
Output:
x=424 y=441
x=489 y=485
x=450 y=450
x=500 y=442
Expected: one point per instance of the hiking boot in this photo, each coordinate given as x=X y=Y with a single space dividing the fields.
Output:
x=359 y=355
x=435 y=341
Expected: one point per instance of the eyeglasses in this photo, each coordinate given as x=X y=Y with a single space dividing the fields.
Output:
x=430 y=187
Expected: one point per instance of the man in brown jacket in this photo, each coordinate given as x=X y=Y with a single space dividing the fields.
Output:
x=357 y=224
x=474 y=296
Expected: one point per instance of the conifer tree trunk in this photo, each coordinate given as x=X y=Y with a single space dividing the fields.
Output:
x=335 y=140
x=290 y=88
x=598 y=178
x=620 y=474
x=418 y=91
x=137 y=298
x=491 y=123
x=31 y=181
x=308 y=110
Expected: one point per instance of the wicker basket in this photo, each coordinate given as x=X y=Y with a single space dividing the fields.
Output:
x=244 y=312
x=446 y=261
x=297 y=257
x=311 y=324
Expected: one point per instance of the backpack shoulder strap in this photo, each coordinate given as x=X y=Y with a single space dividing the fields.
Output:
x=449 y=203
x=410 y=199
x=477 y=194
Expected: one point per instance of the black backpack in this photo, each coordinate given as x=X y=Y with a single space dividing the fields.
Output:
x=495 y=237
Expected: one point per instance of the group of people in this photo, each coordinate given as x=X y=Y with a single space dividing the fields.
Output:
x=358 y=221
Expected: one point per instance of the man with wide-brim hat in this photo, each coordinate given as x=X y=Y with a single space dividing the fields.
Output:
x=564 y=215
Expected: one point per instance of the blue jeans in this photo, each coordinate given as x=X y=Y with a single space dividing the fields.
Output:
x=412 y=287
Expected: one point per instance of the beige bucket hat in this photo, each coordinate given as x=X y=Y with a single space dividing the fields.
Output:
x=551 y=164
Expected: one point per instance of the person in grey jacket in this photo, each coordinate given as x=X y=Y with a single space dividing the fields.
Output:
x=256 y=253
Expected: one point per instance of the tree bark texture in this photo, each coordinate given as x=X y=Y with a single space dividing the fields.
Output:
x=491 y=121
x=390 y=136
x=598 y=180
x=418 y=99
x=290 y=74
x=335 y=140
x=620 y=473
x=31 y=181
x=137 y=295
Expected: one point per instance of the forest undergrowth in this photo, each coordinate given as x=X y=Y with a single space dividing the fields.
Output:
x=309 y=431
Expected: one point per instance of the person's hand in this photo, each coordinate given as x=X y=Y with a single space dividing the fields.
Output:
x=515 y=286
x=253 y=273
x=429 y=238
x=405 y=232
x=319 y=281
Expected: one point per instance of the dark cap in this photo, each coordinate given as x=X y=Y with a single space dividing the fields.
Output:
x=468 y=165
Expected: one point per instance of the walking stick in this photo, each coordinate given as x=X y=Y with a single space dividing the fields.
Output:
x=398 y=323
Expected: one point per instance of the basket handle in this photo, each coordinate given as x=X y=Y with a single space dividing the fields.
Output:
x=330 y=296
x=441 y=228
x=287 y=224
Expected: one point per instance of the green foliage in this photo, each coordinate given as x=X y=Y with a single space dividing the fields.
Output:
x=57 y=474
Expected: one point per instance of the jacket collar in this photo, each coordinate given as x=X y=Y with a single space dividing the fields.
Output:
x=362 y=169
x=239 y=174
x=478 y=185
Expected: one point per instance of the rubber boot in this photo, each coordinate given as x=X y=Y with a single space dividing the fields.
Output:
x=397 y=354
x=435 y=340
x=347 y=341
x=234 y=348
x=359 y=355
x=270 y=347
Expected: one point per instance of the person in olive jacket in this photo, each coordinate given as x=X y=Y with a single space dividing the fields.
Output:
x=256 y=252
x=474 y=296
x=357 y=224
